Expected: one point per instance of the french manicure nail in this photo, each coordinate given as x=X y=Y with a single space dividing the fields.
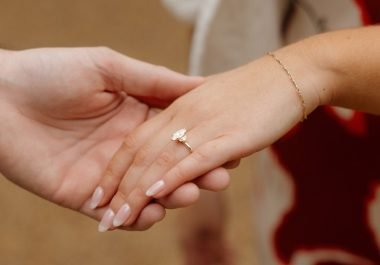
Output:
x=122 y=215
x=97 y=197
x=106 y=221
x=155 y=188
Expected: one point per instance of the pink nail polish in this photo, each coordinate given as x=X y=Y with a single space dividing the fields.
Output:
x=97 y=197
x=122 y=215
x=155 y=188
x=106 y=222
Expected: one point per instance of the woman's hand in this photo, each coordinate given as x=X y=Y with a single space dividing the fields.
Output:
x=230 y=116
x=64 y=113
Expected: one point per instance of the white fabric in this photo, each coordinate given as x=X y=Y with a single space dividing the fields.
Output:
x=185 y=10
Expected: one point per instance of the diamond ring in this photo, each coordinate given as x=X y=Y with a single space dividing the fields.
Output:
x=180 y=136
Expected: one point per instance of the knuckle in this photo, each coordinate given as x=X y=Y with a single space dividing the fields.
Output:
x=104 y=50
x=141 y=158
x=177 y=173
x=138 y=193
x=130 y=142
x=165 y=159
x=108 y=179
x=157 y=77
x=107 y=59
x=121 y=195
x=162 y=68
x=200 y=156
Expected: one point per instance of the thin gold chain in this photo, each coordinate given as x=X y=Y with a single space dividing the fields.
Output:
x=299 y=93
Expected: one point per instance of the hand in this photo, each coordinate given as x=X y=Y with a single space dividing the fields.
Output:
x=230 y=116
x=64 y=113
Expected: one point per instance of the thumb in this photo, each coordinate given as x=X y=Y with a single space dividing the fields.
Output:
x=153 y=84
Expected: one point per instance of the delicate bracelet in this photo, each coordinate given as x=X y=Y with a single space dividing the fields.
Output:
x=300 y=96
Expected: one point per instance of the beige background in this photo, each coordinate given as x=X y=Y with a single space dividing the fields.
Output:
x=33 y=231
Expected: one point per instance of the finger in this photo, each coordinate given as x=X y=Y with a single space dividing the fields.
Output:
x=187 y=194
x=184 y=196
x=208 y=156
x=146 y=81
x=215 y=180
x=152 y=113
x=150 y=215
x=104 y=215
x=138 y=161
x=122 y=160
x=162 y=156
x=232 y=164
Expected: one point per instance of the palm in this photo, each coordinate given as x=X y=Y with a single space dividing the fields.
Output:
x=70 y=123
x=78 y=153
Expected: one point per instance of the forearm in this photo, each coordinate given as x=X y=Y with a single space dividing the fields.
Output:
x=338 y=68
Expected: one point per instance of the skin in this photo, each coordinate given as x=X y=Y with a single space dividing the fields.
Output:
x=64 y=113
x=220 y=130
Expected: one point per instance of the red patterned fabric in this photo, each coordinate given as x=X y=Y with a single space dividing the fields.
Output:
x=334 y=164
x=335 y=171
x=370 y=11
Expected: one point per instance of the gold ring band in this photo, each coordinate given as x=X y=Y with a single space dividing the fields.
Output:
x=188 y=146
x=181 y=137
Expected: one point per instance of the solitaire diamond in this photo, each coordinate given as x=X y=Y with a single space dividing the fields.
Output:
x=179 y=135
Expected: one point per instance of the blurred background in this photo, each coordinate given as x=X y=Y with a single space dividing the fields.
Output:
x=33 y=231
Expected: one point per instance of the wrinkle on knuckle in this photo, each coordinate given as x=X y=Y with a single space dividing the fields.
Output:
x=113 y=168
x=109 y=179
x=130 y=142
x=136 y=196
x=177 y=173
x=121 y=195
x=200 y=156
x=141 y=158
x=106 y=55
x=165 y=159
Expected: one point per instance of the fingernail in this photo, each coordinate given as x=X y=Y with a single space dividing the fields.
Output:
x=97 y=197
x=122 y=215
x=155 y=188
x=106 y=221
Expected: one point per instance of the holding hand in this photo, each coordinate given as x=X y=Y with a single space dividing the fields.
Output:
x=228 y=117
x=241 y=112
x=64 y=112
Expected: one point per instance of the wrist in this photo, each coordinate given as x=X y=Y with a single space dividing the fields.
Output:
x=308 y=69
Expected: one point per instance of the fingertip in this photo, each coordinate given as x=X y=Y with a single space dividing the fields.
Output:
x=215 y=180
x=96 y=198
x=184 y=196
x=150 y=215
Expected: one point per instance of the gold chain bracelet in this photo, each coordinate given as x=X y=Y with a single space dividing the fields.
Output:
x=299 y=93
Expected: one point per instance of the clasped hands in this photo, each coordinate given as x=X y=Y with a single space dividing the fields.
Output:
x=80 y=128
